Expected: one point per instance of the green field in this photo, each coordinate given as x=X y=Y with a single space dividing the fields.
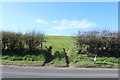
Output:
x=58 y=43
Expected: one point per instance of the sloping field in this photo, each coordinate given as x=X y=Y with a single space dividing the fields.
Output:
x=60 y=42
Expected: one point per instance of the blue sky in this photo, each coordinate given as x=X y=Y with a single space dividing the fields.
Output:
x=59 y=18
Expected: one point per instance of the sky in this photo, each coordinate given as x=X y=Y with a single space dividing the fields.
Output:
x=59 y=18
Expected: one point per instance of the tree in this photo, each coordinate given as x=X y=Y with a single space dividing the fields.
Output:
x=34 y=39
x=12 y=41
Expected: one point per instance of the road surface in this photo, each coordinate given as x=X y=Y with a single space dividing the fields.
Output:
x=49 y=72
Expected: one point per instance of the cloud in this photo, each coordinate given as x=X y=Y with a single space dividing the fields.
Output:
x=65 y=24
x=54 y=21
x=59 y=27
x=40 y=21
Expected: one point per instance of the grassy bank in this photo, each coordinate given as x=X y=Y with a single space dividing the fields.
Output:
x=59 y=58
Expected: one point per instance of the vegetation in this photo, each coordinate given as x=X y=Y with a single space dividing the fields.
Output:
x=19 y=43
x=102 y=43
x=12 y=42
x=34 y=39
x=59 y=60
x=35 y=49
x=60 y=42
x=37 y=60
x=82 y=60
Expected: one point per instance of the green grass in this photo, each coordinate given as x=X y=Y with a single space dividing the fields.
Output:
x=58 y=43
x=59 y=60
x=23 y=60
x=22 y=63
x=85 y=61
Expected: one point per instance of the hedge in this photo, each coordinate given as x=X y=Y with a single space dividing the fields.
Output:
x=102 y=43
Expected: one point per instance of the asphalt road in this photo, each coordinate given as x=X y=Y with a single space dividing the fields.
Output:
x=49 y=72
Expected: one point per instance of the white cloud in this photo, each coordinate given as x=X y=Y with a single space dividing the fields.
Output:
x=64 y=24
x=83 y=24
x=40 y=21
x=54 y=21
x=67 y=24
x=59 y=27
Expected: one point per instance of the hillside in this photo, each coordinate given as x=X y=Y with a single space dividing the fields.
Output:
x=60 y=42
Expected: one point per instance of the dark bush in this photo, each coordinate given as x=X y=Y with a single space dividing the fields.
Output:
x=34 y=39
x=102 y=43
x=18 y=43
x=12 y=41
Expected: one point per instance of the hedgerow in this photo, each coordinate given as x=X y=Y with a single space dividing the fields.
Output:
x=18 y=43
x=102 y=43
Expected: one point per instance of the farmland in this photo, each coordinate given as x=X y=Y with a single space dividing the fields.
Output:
x=58 y=43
